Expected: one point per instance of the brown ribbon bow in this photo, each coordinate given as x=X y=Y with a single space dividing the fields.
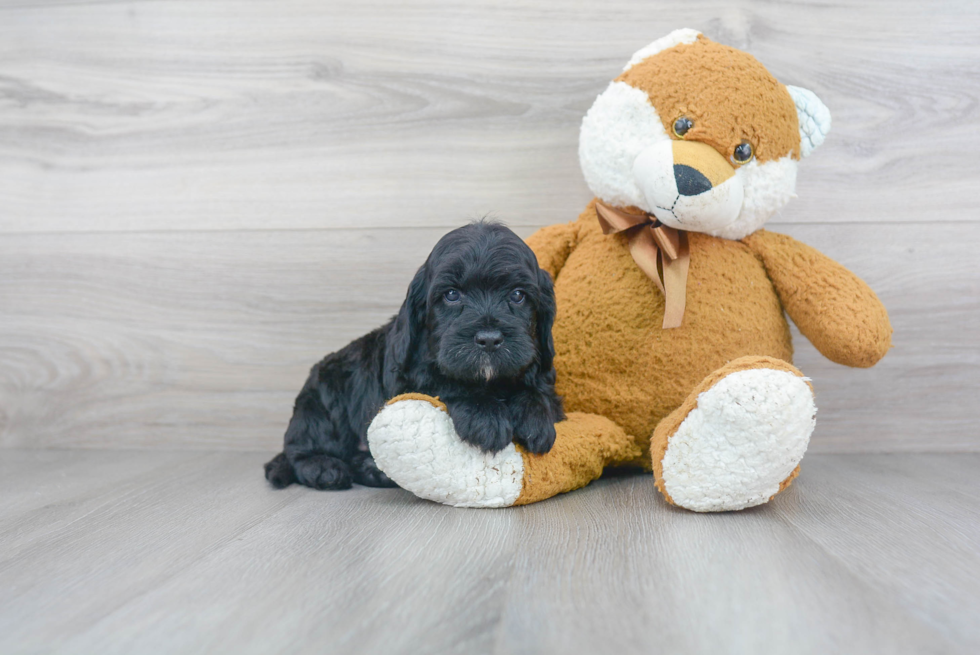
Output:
x=660 y=251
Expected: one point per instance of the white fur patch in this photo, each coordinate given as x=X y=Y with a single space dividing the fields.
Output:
x=415 y=444
x=653 y=172
x=814 y=118
x=677 y=37
x=747 y=434
x=766 y=188
x=708 y=211
x=755 y=193
x=620 y=125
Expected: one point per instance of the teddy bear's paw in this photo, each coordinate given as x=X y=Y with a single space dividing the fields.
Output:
x=413 y=441
x=742 y=443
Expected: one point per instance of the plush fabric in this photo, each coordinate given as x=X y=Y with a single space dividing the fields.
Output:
x=612 y=356
x=833 y=308
x=668 y=427
x=585 y=445
x=415 y=442
x=727 y=93
x=713 y=407
x=432 y=400
x=745 y=437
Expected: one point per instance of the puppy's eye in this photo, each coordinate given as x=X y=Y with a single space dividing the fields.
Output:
x=517 y=296
x=743 y=152
x=682 y=125
x=451 y=296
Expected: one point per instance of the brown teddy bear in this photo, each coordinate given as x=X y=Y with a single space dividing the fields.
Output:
x=671 y=343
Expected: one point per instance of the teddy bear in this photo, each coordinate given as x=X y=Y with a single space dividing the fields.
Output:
x=672 y=347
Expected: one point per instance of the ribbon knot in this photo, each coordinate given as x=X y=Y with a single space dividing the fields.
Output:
x=660 y=251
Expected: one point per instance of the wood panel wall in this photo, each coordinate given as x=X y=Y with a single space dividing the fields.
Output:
x=199 y=198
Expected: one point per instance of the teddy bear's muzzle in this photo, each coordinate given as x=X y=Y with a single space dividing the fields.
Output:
x=689 y=185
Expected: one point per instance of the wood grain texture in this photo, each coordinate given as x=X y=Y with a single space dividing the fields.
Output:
x=198 y=199
x=202 y=340
x=864 y=554
x=196 y=115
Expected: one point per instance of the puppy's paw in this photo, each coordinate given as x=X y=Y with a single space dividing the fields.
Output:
x=484 y=425
x=536 y=432
x=322 y=472
x=279 y=472
x=366 y=472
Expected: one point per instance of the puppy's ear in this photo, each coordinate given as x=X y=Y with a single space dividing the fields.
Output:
x=545 y=319
x=405 y=334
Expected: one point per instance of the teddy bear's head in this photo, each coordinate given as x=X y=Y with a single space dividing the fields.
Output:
x=700 y=135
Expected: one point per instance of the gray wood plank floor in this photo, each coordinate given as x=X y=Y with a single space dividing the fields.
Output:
x=182 y=552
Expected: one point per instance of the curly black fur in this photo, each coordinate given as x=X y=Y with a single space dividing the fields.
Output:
x=474 y=330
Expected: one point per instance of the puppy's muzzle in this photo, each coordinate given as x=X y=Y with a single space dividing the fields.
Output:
x=689 y=185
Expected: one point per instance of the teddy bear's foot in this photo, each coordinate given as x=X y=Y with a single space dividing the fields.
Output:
x=738 y=439
x=413 y=441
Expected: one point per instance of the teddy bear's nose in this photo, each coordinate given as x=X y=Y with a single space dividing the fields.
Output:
x=690 y=181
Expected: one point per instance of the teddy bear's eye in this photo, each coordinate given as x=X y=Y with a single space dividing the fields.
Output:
x=743 y=152
x=682 y=125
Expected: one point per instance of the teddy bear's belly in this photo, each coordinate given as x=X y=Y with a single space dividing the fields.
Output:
x=612 y=356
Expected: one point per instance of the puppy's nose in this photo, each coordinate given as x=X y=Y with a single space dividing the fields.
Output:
x=489 y=340
x=690 y=181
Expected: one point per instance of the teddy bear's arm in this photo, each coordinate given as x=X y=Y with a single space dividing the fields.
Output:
x=553 y=244
x=833 y=308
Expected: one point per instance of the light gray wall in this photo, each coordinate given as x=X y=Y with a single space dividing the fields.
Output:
x=199 y=199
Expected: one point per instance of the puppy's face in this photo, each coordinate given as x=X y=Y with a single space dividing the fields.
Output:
x=485 y=301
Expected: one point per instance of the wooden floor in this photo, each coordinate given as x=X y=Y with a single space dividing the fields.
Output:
x=184 y=552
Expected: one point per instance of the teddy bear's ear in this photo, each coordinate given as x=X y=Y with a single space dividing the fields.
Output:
x=814 y=118
x=677 y=37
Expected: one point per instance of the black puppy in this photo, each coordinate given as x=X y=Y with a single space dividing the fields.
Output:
x=474 y=330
